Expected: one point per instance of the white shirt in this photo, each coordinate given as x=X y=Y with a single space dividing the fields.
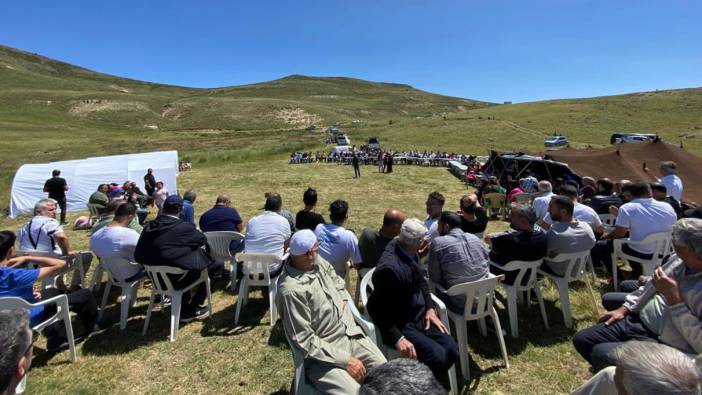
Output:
x=540 y=204
x=582 y=213
x=432 y=225
x=337 y=245
x=38 y=235
x=117 y=241
x=267 y=233
x=160 y=197
x=673 y=185
x=643 y=217
x=111 y=241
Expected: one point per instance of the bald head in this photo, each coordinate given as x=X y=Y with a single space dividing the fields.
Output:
x=545 y=186
x=392 y=222
x=223 y=200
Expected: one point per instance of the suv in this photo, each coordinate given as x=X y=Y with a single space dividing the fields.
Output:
x=373 y=143
x=555 y=141
x=343 y=139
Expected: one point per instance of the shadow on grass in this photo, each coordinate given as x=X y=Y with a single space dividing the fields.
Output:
x=221 y=323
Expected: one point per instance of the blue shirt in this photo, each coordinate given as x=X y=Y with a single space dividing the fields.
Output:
x=188 y=212
x=222 y=218
x=20 y=283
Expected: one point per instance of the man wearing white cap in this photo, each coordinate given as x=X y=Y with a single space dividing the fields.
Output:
x=318 y=320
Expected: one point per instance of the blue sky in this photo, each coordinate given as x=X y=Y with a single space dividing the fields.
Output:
x=490 y=50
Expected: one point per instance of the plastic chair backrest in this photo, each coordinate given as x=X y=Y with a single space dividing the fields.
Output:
x=480 y=296
x=494 y=200
x=160 y=279
x=16 y=303
x=255 y=266
x=574 y=262
x=220 y=241
x=115 y=265
x=94 y=209
x=661 y=243
x=608 y=220
x=366 y=282
x=525 y=268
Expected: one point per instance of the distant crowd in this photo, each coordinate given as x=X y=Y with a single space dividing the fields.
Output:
x=420 y=273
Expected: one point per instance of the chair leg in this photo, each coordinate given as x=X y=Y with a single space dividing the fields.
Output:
x=105 y=295
x=540 y=297
x=148 y=313
x=69 y=335
x=512 y=310
x=271 y=298
x=209 y=297
x=175 y=314
x=462 y=336
x=615 y=282
x=453 y=380
x=243 y=289
x=565 y=303
x=124 y=309
x=500 y=336
x=232 y=273
x=482 y=326
x=97 y=277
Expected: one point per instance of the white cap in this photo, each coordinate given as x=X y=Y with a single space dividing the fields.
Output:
x=412 y=231
x=302 y=241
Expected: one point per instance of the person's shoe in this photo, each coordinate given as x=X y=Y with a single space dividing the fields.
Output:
x=56 y=344
x=199 y=313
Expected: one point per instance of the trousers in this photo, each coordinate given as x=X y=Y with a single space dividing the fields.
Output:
x=80 y=302
x=614 y=300
x=330 y=379
x=596 y=343
x=434 y=348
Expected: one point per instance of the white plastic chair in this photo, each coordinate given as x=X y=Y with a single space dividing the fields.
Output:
x=608 y=220
x=574 y=264
x=391 y=353
x=480 y=297
x=49 y=281
x=129 y=289
x=524 y=268
x=94 y=210
x=300 y=385
x=62 y=314
x=219 y=243
x=256 y=274
x=162 y=285
x=661 y=243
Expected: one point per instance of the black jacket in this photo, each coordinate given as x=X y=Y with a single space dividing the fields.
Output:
x=169 y=241
x=401 y=293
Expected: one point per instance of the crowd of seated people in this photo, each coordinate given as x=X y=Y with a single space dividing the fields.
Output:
x=369 y=156
x=408 y=256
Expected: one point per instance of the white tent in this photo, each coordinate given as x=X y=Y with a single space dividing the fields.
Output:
x=83 y=177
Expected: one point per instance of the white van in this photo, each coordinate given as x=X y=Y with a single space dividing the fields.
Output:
x=339 y=149
x=343 y=139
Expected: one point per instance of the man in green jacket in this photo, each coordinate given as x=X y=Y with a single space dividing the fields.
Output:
x=99 y=198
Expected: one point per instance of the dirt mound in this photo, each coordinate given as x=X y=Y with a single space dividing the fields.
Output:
x=85 y=107
x=296 y=116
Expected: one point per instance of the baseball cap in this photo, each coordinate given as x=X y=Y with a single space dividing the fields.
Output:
x=302 y=241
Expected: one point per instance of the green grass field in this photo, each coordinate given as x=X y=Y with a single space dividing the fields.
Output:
x=215 y=355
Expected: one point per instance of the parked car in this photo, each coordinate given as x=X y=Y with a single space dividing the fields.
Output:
x=373 y=143
x=343 y=139
x=555 y=141
x=620 y=137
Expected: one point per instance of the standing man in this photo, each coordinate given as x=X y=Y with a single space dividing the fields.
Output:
x=390 y=162
x=381 y=162
x=149 y=184
x=160 y=195
x=670 y=179
x=356 y=167
x=56 y=187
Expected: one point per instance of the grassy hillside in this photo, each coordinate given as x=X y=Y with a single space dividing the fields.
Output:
x=50 y=110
